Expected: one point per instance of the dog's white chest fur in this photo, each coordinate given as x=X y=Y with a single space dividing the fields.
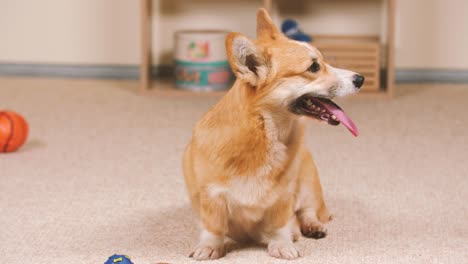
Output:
x=248 y=190
x=258 y=190
x=251 y=191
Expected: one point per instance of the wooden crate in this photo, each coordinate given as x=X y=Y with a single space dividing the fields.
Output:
x=356 y=53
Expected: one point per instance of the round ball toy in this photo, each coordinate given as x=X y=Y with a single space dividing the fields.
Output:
x=119 y=259
x=13 y=131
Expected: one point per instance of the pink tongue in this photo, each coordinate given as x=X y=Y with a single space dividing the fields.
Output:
x=342 y=117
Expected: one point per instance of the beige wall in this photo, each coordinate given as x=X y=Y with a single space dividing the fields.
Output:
x=69 y=31
x=430 y=33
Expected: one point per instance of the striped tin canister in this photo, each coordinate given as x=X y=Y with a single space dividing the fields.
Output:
x=200 y=61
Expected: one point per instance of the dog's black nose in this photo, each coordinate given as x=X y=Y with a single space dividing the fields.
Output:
x=358 y=80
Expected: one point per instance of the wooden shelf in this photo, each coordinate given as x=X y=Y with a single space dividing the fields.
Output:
x=360 y=54
x=388 y=50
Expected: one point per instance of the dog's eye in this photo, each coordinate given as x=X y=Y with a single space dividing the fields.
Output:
x=315 y=67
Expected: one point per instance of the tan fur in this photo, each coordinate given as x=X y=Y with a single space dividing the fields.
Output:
x=247 y=172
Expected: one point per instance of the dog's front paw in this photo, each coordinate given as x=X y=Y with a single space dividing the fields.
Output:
x=205 y=252
x=283 y=250
x=313 y=230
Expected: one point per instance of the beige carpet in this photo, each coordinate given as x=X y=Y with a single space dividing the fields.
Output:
x=101 y=174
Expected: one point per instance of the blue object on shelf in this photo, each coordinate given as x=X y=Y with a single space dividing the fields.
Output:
x=291 y=29
x=119 y=259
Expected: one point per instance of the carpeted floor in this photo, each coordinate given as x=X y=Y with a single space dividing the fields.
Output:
x=101 y=174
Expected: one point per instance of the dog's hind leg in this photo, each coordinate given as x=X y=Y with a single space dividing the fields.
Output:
x=311 y=209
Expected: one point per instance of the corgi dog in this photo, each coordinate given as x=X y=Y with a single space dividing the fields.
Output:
x=247 y=171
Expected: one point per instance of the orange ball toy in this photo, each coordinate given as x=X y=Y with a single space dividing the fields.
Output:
x=13 y=131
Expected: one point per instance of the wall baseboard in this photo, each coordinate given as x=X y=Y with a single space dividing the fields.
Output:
x=131 y=72
x=431 y=76
x=91 y=71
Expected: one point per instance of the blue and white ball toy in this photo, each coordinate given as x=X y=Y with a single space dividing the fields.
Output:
x=291 y=29
x=119 y=259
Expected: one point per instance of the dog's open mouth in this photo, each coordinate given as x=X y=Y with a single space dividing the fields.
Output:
x=324 y=110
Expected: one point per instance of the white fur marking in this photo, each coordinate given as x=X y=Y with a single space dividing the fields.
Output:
x=283 y=234
x=251 y=191
x=215 y=190
x=242 y=47
x=345 y=81
x=208 y=238
x=339 y=80
x=255 y=190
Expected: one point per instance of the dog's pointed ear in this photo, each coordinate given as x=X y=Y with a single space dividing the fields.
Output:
x=266 y=29
x=247 y=62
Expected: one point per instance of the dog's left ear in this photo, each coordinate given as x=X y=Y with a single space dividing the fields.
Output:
x=266 y=29
x=246 y=60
